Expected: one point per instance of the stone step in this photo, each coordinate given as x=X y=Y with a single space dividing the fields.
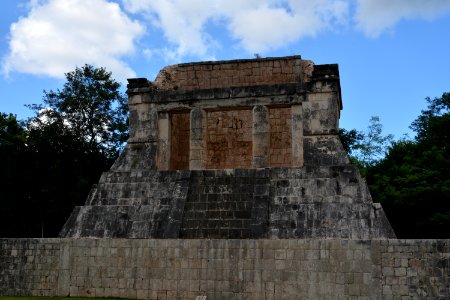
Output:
x=298 y=187
x=243 y=203
x=294 y=199
x=145 y=192
x=221 y=233
x=144 y=176
x=124 y=221
x=322 y=220
x=221 y=203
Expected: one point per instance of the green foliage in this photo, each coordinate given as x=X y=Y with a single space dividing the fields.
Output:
x=433 y=125
x=350 y=139
x=55 y=298
x=50 y=162
x=91 y=106
x=13 y=161
x=11 y=131
x=413 y=180
x=365 y=149
x=374 y=144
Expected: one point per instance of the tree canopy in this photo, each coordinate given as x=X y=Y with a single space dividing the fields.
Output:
x=412 y=180
x=91 y=106
x=365 y=149
x=50 y=162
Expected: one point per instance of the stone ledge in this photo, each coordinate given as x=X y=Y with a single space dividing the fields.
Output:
x=218 y=93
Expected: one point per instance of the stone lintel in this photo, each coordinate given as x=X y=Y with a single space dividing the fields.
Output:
x=235 y=103
x=226 y=93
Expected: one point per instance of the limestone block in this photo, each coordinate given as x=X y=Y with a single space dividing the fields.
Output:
x=321 y=113
x=197 y=151
x=135 y=99
x=314 y=275
x=143 y=123
x=135 y=156
x=297 y=135
x=163 y=155
x=323 y=150
x=261 y=137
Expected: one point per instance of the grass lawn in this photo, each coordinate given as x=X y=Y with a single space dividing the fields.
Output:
x=52 y=298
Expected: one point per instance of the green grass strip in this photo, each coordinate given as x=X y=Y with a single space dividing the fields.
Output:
x=53 y=298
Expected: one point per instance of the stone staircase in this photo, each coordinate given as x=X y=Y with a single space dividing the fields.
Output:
x=308 y=202
x=133 y=205
x=223 y=204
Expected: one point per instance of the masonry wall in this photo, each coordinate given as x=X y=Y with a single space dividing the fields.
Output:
x=179 y=131
x=280 y=149
x=226 y=269
x=263 y=87
x=229 y=139
x=209 y=75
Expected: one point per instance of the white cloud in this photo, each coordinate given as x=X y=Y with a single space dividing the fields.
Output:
x=181 y=21
x=58 y=35
x=269 y=27
x=375 y=16
x=257 y=25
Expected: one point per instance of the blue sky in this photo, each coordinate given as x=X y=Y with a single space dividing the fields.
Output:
x=391 y=53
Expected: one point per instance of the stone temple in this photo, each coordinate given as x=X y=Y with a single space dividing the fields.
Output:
x=233 y=185
x=239 y=149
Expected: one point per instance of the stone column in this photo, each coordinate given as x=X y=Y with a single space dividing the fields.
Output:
x=142 y=120
x=140 y=151
x=297 y=135
x=261 y=137
x=163 y=162
x=197 y=144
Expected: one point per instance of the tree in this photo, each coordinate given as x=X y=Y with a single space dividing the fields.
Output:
x=64 y=168
x=12 y=133
x=14 y=162
x=365 y=149
x=374 y=144
x=50 y=162
x=413 y=180
x=91 y=106
x=433 y=125
x=351 y=139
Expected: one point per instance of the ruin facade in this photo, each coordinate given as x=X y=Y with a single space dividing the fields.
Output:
x=233 y=185
x=233 y=149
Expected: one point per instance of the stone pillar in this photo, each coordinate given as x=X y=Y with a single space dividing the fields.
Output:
x=197 y=144
x=163 y=162
x=297 y=135
x=142 y=120
x=261 y=137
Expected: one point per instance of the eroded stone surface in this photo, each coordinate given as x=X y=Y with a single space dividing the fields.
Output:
x=223 y=74
x=226 y=269
x=309 y=202
x=257 y=142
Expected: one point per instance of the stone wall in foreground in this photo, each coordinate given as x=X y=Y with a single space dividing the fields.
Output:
x=226 y=269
